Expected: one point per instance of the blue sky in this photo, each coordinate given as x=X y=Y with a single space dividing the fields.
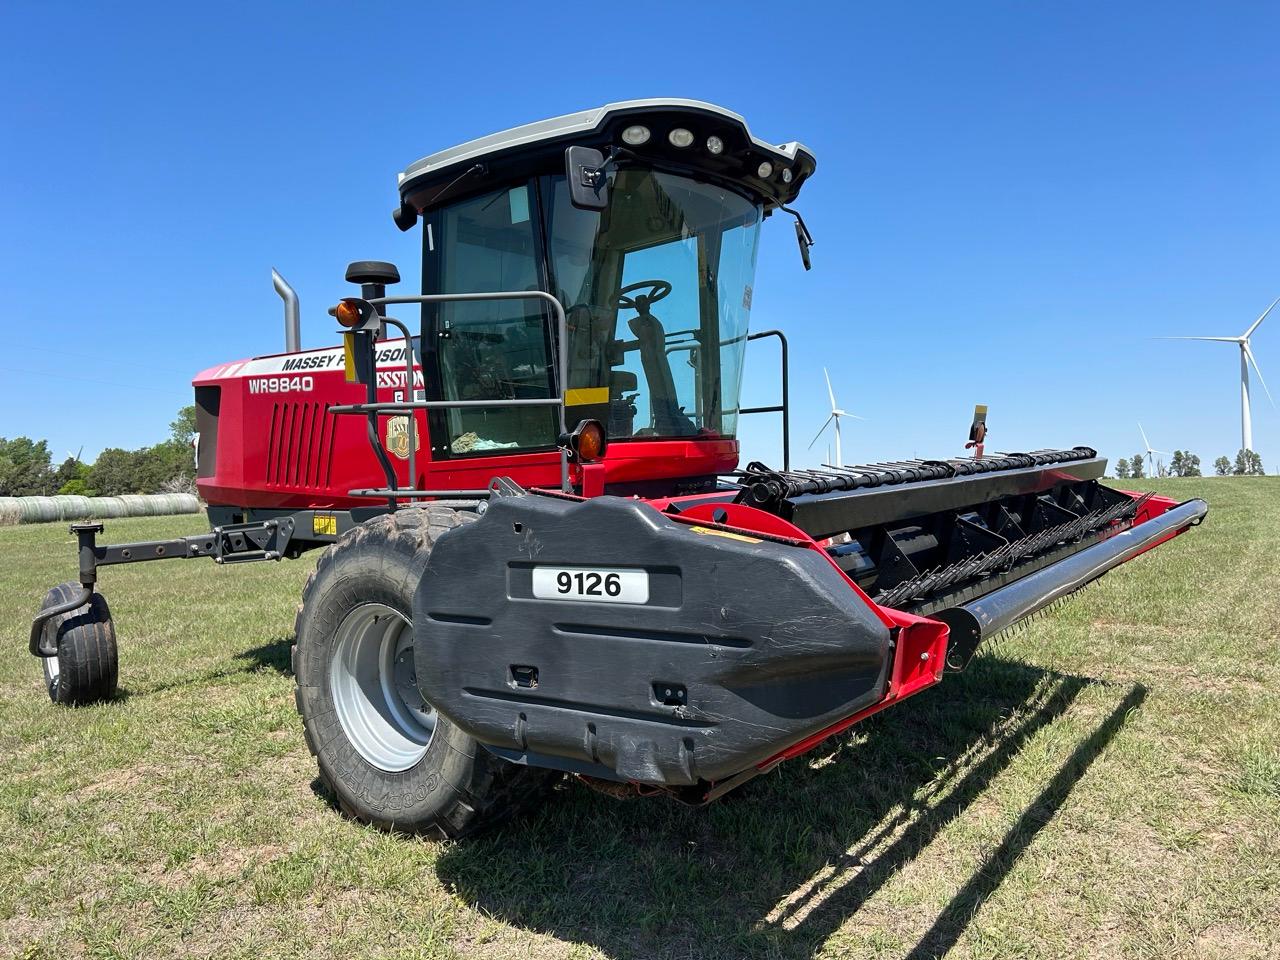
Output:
x=1012 y=199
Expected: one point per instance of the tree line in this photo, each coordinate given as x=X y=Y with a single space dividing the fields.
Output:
x=1186 y=464
x=27 y=469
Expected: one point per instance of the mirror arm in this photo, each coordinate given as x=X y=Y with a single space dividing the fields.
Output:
x=800 y=224
x=803 y=237
x=617 y=153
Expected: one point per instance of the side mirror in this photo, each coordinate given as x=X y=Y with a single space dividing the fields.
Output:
x=588 y=185
x=405 y=217
x=805 y=241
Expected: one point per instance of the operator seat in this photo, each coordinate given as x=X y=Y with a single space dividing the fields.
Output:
x=668 y=418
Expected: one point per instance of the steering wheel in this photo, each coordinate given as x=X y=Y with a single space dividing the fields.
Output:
x=658 y=290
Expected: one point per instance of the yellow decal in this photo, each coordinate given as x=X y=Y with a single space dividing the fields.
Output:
x=582 y=396
x=398 y=437
x=324 y=524
x=349 y=356
x=707 y=531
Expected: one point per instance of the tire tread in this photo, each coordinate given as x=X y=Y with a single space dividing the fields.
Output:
x=493 y=789
x=88 y=658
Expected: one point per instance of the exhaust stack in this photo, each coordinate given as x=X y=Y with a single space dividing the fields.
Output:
x=292 y=323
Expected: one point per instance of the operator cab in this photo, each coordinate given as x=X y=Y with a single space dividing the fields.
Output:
x=642 y=218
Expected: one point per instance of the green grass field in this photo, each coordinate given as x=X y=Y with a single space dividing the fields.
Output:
x=1104 y=783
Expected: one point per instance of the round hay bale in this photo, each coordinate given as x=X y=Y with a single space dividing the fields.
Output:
x=185 y=503
x=38 y=509
x=10 y=512
x=106 y=507
x=135 y=504
x=72 y=506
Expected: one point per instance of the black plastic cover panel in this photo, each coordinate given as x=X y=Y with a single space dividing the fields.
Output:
x=742 y=648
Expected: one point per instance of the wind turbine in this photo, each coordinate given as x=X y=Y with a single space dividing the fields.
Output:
x=1151 y=459
x=836 y=414
x=1246 y=358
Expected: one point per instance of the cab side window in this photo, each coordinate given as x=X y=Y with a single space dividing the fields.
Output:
x=491 y=350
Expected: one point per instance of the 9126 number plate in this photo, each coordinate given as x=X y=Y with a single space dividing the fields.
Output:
x=596 y=584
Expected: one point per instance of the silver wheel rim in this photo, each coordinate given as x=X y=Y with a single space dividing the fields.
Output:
x=374 y=687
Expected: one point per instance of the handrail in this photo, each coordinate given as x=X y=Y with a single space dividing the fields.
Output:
x=410 y=392
x=561 y=368
x=561 y=375
x=399 y=406
x=783 y=408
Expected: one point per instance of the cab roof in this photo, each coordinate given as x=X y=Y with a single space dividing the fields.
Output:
x=536 y=147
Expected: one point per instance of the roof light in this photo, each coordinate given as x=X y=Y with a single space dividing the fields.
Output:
x=715 y=146
x=786 y=174
x=680 y=137
x=635 y=135
x=765 y=170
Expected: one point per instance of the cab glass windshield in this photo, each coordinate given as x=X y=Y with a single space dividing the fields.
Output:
x=657 y=291
x=657 y=294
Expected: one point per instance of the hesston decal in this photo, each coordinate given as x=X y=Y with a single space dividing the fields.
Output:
x=397 y=437
x=395 y=379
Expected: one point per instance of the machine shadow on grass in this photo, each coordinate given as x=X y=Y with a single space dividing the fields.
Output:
x=778 y=867
x=275 y=655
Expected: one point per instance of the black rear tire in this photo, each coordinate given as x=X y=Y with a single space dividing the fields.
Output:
x=360 y=716
x=88 y=664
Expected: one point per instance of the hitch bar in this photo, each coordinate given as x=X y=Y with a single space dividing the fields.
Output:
x=230 y=543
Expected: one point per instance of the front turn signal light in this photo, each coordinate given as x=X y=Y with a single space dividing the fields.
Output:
x=587 y=442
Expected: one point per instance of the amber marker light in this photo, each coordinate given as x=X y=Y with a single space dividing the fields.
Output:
x=348 y=313
x=587 y=442
x=590 y=441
